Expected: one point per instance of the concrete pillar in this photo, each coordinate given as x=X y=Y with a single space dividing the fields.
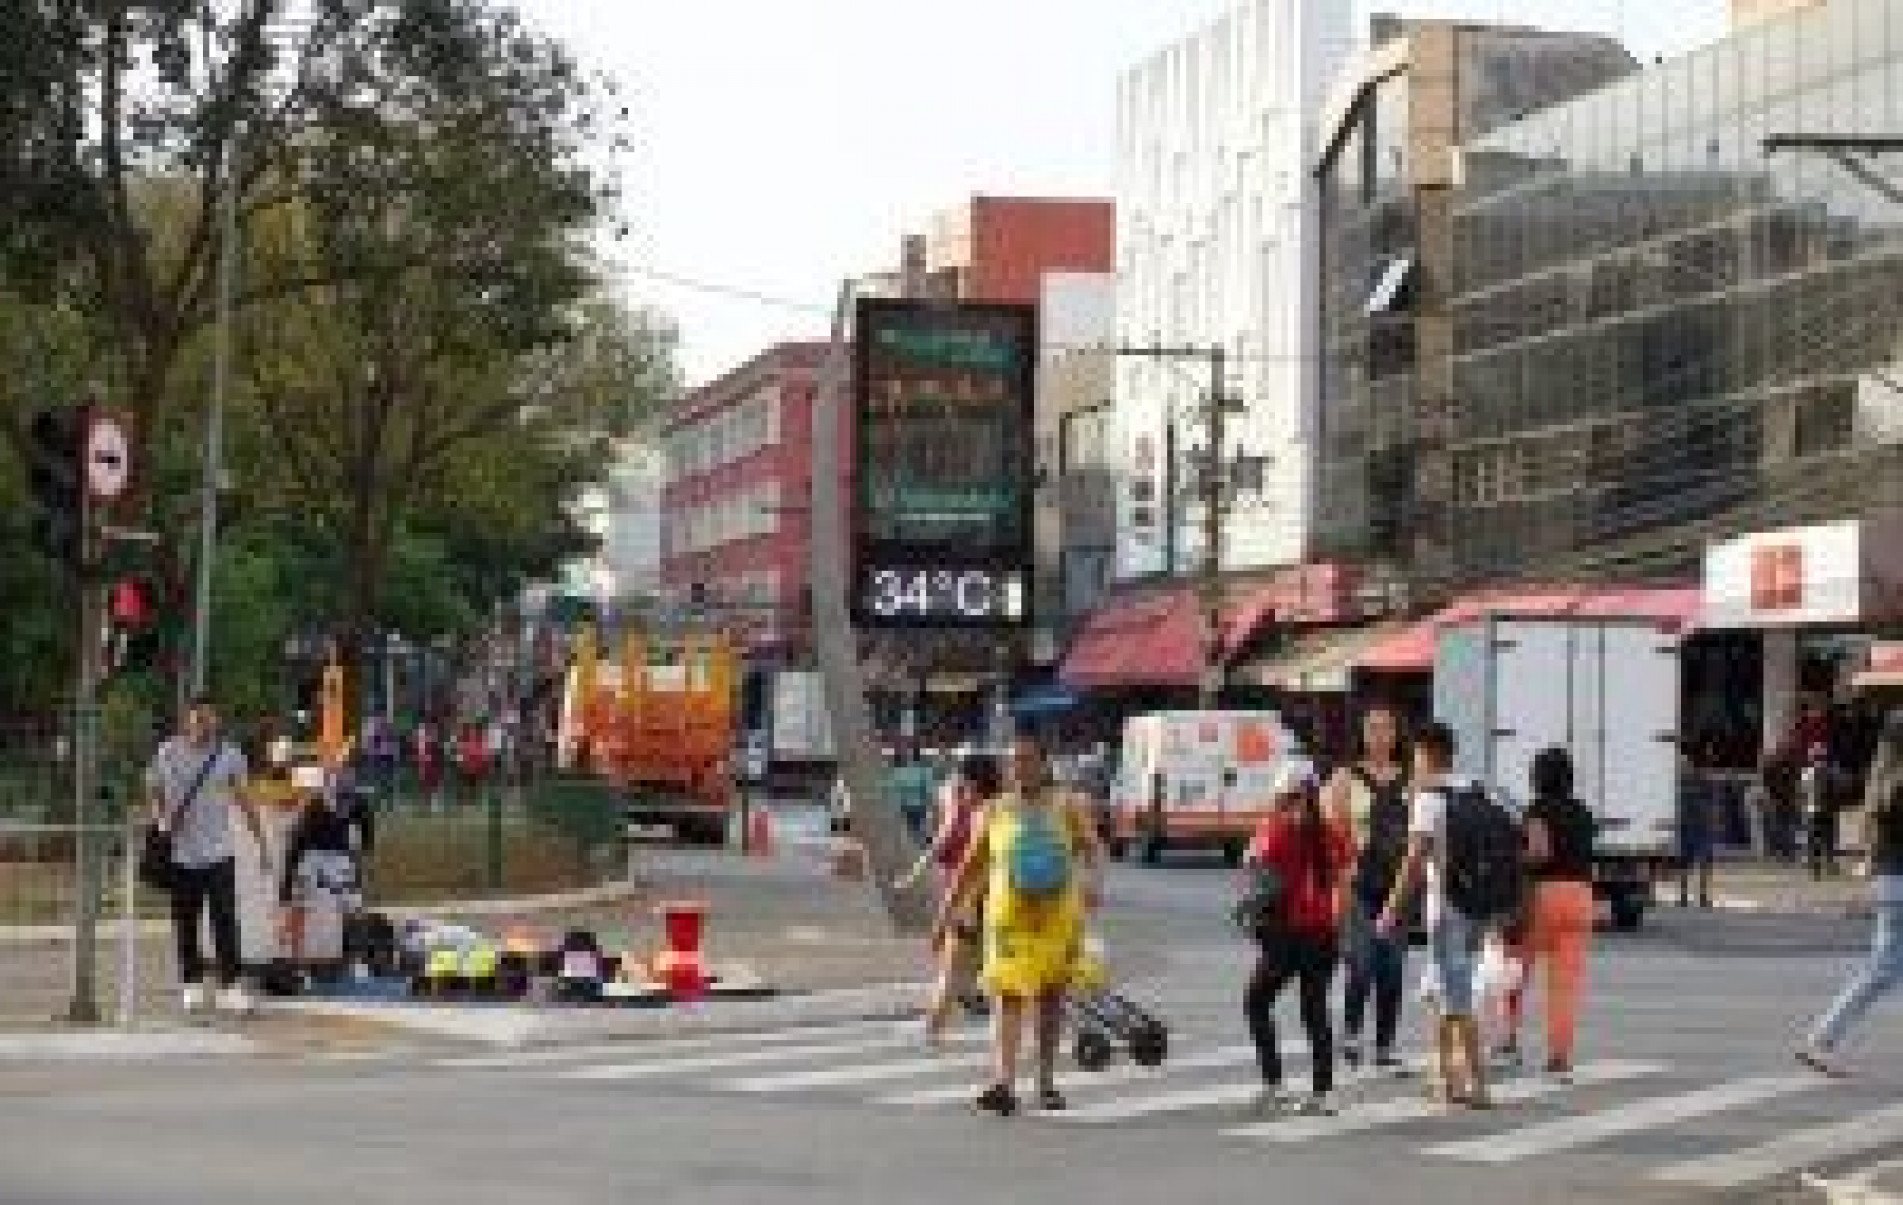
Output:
x=1780 y=685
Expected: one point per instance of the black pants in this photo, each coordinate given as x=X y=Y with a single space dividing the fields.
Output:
x=1309 y=959
x=1822 y=844
x=216 y=887
x=1377 y=966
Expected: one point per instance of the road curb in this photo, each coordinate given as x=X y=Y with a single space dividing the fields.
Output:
x=111 y=1044
x=1882 y=1185
x=514 y=1027
x=587 y=897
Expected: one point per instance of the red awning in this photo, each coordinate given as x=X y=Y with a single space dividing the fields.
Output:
x=1412 y=651
x=1151 y=641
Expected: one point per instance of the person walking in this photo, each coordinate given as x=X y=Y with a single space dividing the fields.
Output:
x=1037 y=856
x=966 y=793
x=195 y=781
x=1560 y=834
x=1698 y=822
x=1820 y=787
x=1882 y=969
x=1307 y=856
x=1368 y=798
x=1453 y=936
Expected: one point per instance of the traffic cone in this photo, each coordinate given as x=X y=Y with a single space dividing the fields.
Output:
x=759 y=835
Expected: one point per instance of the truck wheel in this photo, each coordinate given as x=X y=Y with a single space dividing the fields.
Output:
x=1628 y=913
x=1152 y=851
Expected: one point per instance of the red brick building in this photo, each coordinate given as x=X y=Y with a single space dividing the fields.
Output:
x=734 y=526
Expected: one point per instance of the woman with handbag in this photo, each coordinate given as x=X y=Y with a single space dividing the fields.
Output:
x=1298 y=865
x=975 y=785
x=195 y=782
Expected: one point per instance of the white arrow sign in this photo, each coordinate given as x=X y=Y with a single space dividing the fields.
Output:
x=108 y=459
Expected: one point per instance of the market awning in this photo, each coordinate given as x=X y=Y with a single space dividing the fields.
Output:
x=1151 y=641
x=1412 y=649
x=1322 y=661
x=1884 y=668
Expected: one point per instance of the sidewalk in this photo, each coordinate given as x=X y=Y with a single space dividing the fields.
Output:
x=784 y=920
x=1765 y=887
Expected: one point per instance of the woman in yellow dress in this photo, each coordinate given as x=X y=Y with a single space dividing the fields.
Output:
x=1037 y=854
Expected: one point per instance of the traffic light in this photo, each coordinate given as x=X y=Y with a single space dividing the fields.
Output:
x=57 y=443
x=136 y=641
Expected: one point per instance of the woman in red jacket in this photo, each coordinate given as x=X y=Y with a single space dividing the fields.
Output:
x=1307 y=856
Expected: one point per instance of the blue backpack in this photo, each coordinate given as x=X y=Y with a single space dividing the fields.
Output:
x=1039 y=860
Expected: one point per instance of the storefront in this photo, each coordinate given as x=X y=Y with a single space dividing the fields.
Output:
x=1820 y=598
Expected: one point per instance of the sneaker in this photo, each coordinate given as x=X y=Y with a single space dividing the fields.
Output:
x=195 y=998
x=1559 y=1069
x=997 y=1100
x=1823 y=1062
x=1050 y=1100
x=1351 y=1052
x=1272 y=1101
x=1316 y=1104
x=1389 y=1063
x=235 y=999
x=1507 y=1057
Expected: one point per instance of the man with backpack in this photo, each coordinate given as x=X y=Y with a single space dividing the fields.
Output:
x=1368 y=798
x=1469 y=852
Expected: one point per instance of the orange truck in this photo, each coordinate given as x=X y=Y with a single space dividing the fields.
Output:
x=660 y=724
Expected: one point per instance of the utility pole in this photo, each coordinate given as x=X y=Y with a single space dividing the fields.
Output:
x=213 y=468
x=880 y=829
x=1211 y=480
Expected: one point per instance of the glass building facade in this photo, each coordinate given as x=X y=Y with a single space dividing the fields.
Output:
x=1666 y=334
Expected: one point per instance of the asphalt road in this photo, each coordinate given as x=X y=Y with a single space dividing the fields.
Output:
x=1694 y=1098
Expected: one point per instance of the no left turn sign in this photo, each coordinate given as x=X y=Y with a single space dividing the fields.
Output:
x=108 y=458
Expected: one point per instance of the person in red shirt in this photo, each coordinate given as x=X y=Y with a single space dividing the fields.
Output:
x=1309 y=855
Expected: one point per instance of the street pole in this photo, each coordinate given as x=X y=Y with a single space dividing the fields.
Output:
x=213 y=466
x=84 y=1008
x=1215 y=490
x=877 y=825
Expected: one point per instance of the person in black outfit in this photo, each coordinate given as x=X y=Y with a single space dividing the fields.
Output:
x=325 y=856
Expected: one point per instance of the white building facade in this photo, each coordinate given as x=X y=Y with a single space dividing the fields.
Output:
x=1216 y=243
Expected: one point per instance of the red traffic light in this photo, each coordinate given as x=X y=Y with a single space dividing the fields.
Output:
x=130 y=605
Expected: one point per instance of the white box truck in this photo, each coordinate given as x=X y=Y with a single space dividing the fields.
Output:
x=1606 y=690
x=1195 y=779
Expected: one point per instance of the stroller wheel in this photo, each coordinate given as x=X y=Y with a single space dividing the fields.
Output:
x=1150 y=1046
x=1093 y=1051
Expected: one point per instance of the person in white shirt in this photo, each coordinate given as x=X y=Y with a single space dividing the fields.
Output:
x=1454 y=938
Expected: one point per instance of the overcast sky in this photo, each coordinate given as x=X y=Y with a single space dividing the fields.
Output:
x=786 y=143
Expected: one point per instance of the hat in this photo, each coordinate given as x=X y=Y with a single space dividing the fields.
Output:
x=1294 y=775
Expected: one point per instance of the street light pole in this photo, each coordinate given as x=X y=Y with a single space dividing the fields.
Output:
x=213 y=467
x=1213 y=484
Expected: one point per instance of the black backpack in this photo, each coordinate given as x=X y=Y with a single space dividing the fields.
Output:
x=1386 y=848
x=1484 y=868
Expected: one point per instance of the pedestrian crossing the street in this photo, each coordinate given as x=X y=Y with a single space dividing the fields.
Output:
x=1786 y=1124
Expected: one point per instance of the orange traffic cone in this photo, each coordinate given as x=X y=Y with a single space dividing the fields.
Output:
x=759 y=834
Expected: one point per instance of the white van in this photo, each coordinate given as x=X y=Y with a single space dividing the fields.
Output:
x=1196 y=779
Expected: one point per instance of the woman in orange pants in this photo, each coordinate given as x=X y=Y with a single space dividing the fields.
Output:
x=1559 y=851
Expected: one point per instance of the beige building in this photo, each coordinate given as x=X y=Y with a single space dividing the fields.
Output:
x=1748 y=12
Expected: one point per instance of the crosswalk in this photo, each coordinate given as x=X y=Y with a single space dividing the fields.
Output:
x=1779 y=1129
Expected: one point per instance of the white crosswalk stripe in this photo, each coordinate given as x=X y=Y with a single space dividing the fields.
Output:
x=605 y=1051
x=1110 y=1077
x=862 y=1073
x=1211 y=1096
x=1791 y=1152
x=1399 y=1111
x=731 y=1059
x=1653 y=1113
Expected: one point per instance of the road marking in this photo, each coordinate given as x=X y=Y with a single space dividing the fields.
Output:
x=635 y=1048
x=1122 y=1073
x=1656 y=1112
x=1378 y=1114
x=1209 y=1096
x=739 y=1058
x=863 y=1073
x=1790 y=1152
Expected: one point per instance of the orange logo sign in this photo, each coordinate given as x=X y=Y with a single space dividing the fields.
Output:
x=1777 y=577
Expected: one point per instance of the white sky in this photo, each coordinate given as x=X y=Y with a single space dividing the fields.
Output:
x=783 y=144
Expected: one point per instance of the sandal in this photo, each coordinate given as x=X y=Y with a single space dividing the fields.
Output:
x=1050 y=1100
x=998 y=1100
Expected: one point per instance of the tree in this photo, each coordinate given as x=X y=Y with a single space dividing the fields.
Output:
x=106 y=103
